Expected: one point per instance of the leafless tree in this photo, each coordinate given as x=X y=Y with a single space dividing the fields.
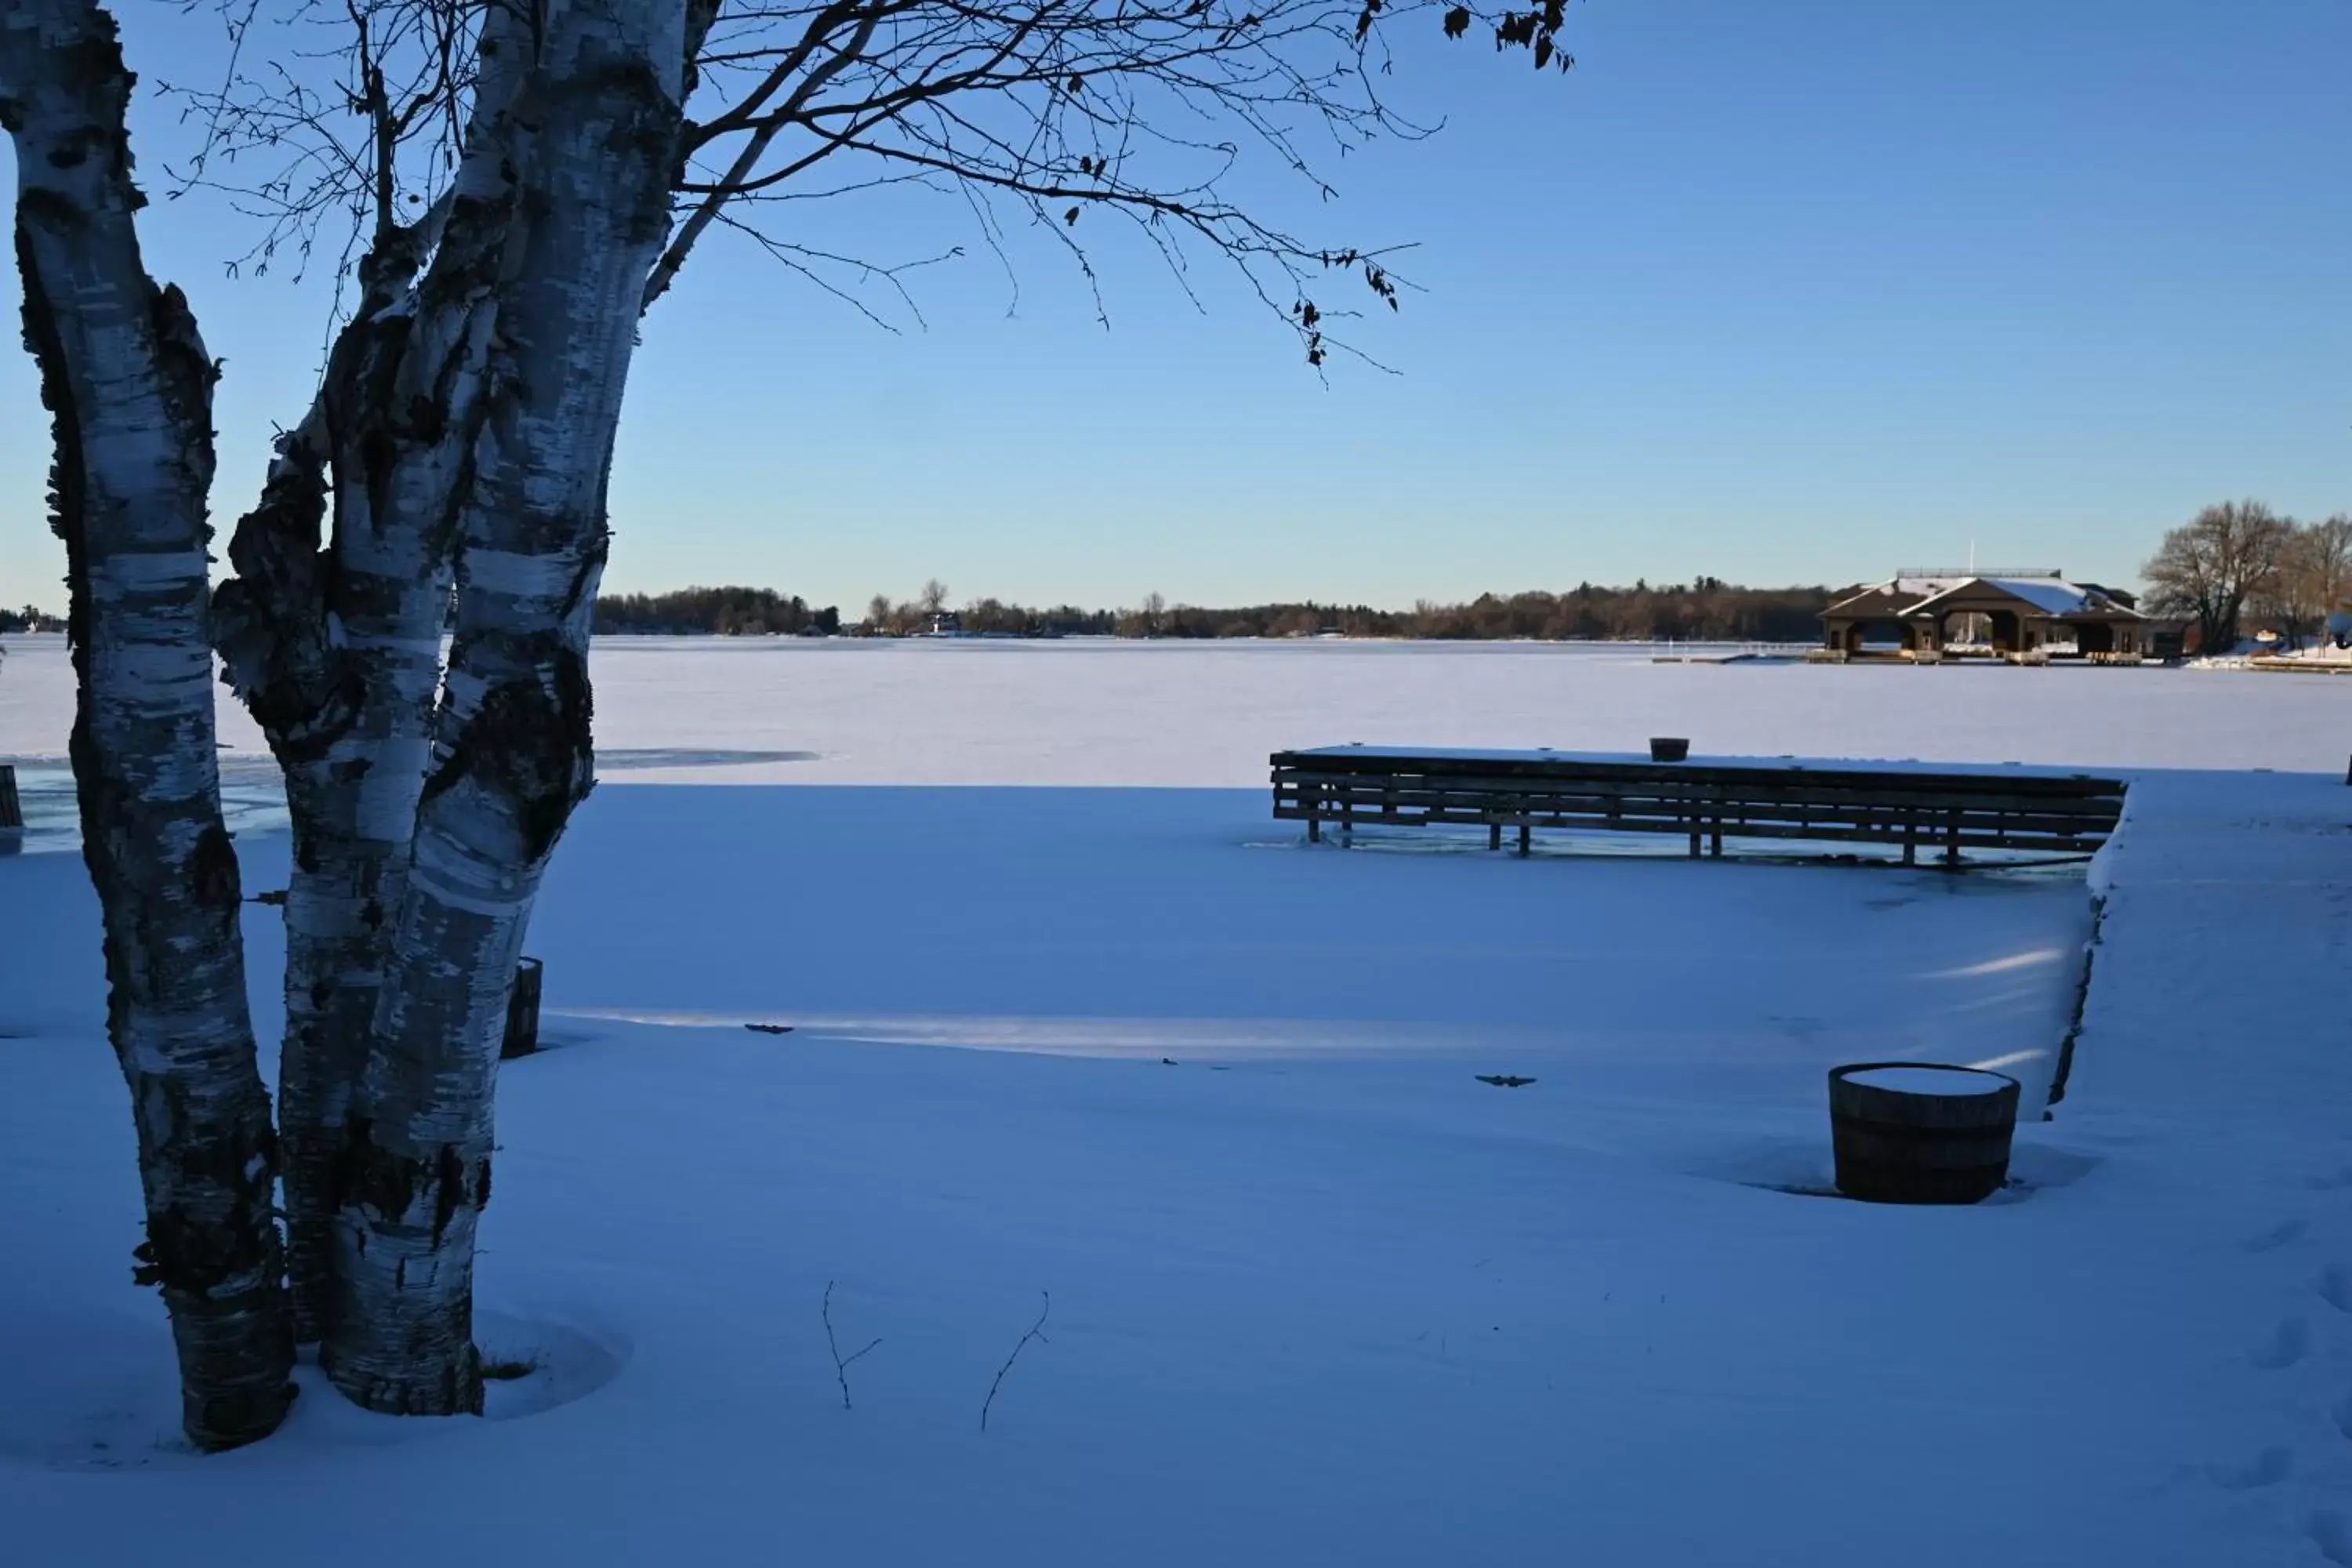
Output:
x=502 y=187
x=465 y=414
x=2313 y=576
x=2210 y=567
x=1037 y=113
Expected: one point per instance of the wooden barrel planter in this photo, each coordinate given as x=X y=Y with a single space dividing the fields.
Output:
x=1669 y=749
x=522 y=1011
x=1921 y=1133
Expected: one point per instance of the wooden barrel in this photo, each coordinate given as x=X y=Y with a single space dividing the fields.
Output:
x=1921 y=1133
x=522 y=1011
x=1669 y=748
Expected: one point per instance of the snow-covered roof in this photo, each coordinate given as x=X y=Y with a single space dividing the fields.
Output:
x=2058 y=598
x=2048 y=594
x=1890 y=597
x=1903 y=597
x=1925 y=587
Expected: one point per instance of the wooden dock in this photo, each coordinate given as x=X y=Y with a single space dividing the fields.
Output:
x=2301 y=666
x=1943 y=813
x=1732 y=653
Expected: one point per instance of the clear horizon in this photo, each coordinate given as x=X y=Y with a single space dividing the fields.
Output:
x=1795 y=296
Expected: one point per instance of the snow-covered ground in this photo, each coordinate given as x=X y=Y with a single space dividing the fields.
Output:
x=1317 y=1294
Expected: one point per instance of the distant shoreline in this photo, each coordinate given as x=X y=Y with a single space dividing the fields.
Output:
x=1110 y=639
x=1706 y=609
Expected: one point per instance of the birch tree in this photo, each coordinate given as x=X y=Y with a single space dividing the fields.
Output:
x=467 y=422
x=461 y=417
x=128 y=384
x=591 y=140
x=523 y=180
x=337 y=651
x=1045 y=108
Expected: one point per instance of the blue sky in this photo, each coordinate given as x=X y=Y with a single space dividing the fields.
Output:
x=1786 y=292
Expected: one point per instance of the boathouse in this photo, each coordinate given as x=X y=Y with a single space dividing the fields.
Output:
x=2022 y=617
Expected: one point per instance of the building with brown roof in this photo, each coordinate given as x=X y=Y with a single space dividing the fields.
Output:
x=2023 y=616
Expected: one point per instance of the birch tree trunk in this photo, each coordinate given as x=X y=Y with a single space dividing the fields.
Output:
x=337 y=652
x=593 y=145
x=351 y=809
x=129 y=385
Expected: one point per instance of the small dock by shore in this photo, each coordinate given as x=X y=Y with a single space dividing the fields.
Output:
x=1732 y=653
x=2301 y=666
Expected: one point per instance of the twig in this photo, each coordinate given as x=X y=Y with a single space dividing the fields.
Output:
x=1036 y=1332
x=840 y=1366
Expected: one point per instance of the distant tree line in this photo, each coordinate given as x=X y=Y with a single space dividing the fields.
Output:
x=2240 y=561
x=928 y=610
x=1706 y=609
x=1701 y=610
x=728 y=612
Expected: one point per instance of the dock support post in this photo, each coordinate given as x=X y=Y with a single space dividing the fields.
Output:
x=1525 y=839
x=1494 y=835
x=522 y=1011
x=12 y=812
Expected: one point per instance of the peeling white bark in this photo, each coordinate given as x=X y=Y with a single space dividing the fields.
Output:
x=129 y=385
x=341 y=662
x=591 y=144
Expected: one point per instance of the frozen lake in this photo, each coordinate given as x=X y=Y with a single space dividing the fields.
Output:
x=1027 y=781
x=1085 y=712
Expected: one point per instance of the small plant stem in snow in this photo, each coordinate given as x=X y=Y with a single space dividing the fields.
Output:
x=1036 y=1332
x=841 y=1364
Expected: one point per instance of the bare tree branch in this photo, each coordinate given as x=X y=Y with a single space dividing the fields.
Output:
x=748 y=161
x=841 y=1364
x=1036 y=1332
x=1162 y=111
x=336 y=133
